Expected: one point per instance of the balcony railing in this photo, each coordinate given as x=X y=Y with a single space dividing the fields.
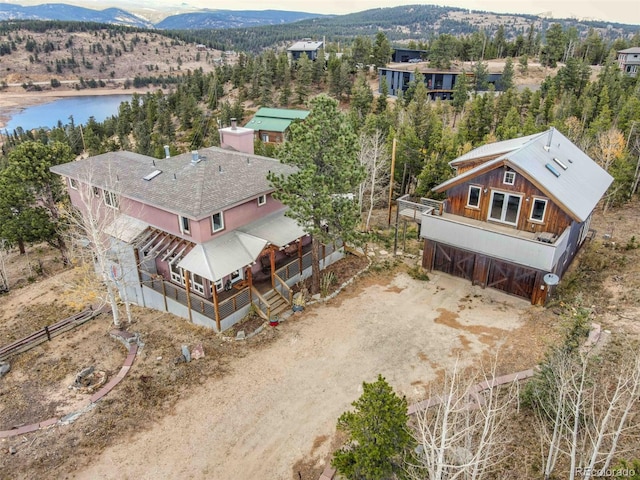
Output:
x=414 y=210
x=524 y=248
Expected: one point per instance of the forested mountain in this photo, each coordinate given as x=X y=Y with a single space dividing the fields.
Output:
x=61 y=11
x=256 y=30
x=221 y=19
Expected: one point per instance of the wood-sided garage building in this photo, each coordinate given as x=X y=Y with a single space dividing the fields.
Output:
x=515 y=211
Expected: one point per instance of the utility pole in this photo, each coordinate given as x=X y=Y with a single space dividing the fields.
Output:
x=393 y=167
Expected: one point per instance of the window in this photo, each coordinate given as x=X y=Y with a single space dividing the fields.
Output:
x=218 y=286
x=73 y=183
x=504 y=207
x=236 y=276
x=509 y=177
x=473 y=199
x=177 y=274
x=184 y=225
x=265 y=137
x=262 y=199
x=110 y=199
x=96 y=191
x=197 y=283
x=217 y=222
x=538 y=209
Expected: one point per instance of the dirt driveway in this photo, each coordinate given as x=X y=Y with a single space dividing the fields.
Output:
x=279 y=405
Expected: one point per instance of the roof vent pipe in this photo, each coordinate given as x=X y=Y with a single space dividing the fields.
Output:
x=234 y=124
x=220 y=168
x=195 y=157
x=547 y=147
x=167 y=153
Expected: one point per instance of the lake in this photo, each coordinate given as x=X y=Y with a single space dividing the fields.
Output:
x=99 y=107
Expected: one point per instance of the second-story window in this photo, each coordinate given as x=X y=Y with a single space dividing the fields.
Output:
x=73 y=183
x=262 y=199
x=509 y=177
x=473 y=200
x=110 y=199
x=185 y=225
x=538 y=209
x=217 y=222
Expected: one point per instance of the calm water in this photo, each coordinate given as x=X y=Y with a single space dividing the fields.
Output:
x=47 y=115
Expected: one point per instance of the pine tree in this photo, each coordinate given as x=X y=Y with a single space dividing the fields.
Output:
x=378 y=433
x=320 y=193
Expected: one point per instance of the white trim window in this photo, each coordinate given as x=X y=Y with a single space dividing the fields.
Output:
x=217 y=222
x=509 y=177
x=197 y=283
x=473 y=197
x=236 y=276
x=262 y=199
x=185 y=225
x=177 y=274
x=73 y=183
x=538 y=210
x=505 y=207
x=110 y=199
x=219 y=286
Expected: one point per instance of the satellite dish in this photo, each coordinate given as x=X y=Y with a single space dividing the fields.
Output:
x=551 y=279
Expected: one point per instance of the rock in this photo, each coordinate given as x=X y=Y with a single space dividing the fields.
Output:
x=158 y=359
x=13 y=450
x=186 y=354
x=4 y=368
x=315 y=297
x=383 y=252
x=240 y=335
x=197 y=352
x=371 y=253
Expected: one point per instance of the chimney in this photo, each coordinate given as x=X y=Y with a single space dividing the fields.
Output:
x=167 y=153
x=234 y=124
x=547 y=147
x=195 y=157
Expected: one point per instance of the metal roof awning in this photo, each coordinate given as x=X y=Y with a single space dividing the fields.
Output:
x=277 y=229
x=126 y=228
x=223 y=255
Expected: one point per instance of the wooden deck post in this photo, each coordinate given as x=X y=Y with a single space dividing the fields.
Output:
x=250 y=282
x=272 y=259
x=300 y=256
x=164 y=295
x=215 y=305
x=187 y=285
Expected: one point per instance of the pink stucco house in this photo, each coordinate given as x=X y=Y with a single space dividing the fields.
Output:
x=206 y=239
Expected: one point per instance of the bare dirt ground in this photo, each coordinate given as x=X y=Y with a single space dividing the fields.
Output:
x=279 y=405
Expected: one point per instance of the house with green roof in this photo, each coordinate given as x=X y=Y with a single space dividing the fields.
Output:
x=271 y=124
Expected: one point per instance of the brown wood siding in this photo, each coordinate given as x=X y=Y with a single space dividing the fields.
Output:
x=555 y=220
x=274 y=137
x=486 y=271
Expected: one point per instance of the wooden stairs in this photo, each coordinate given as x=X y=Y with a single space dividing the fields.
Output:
x=275 y=305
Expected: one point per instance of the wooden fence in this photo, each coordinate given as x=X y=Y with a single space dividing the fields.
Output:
x=48 y=332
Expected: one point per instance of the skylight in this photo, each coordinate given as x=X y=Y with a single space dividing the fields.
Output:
x=152 y=175
x=552 y=169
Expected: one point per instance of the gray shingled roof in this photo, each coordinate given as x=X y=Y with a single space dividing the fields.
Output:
x=577 y=189
x=221 y=179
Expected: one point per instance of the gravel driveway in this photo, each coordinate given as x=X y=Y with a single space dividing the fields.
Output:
x=279 y=405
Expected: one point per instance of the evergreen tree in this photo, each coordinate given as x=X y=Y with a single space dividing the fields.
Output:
x=382 y=50
x=304 y=77
x=378 y=433
x=30 y=194
x=319 y=193
x=506 y=79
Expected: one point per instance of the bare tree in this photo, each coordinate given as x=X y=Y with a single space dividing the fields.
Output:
x=374 y=158
x=96 y=220
x=4 y=278
x=585 y=410
x=462 y=432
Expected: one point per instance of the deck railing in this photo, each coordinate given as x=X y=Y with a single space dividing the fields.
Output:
x=414 y=210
